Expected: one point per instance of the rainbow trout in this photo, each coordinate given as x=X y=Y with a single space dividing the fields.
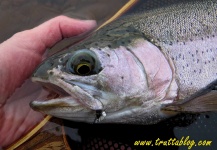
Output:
x=141 y=68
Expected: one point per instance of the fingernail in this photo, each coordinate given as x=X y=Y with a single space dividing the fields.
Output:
x=92 y=22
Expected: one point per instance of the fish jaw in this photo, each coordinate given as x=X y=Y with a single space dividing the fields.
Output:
x=133 y=84
x=63 y=108
x=79 y=106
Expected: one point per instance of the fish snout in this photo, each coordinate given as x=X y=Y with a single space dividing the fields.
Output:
x=43 y=70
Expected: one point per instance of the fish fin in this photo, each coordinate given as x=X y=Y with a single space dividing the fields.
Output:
x=203 y=103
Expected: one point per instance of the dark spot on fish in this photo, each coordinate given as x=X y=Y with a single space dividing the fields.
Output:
x=128 y=48
x=202 y=39
x=62 y=78
x=207 y=50
x=213 y=35
x=171 y=43
x=100 y=49
x=180 y=55
x=213 y=59
x=198 y=60
x=202 y=52
x=122 y=77
x=136 y=31
x=196 y=51
x=191 y=40
x=108 y=55
x=200 y=71
x=172 y=58
x=51 y=63
x=191 y=83
x=122 y=42
x=186 y=65
x=50 y=72
x=183 y=58
x=205 y=62
x=107 y=35
x=192 y=55
x=195 y=71
x=109 y=46
x=57 y=129
x=209 y=61
x=207 y=116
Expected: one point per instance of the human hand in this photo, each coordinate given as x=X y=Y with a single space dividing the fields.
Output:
x=19 y=56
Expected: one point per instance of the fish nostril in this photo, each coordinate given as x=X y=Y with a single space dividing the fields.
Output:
x=61 y=60
x=51 y=64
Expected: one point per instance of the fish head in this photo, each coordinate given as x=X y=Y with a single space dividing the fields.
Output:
x=108 y=81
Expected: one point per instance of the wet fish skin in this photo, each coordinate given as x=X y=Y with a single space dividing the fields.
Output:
x=188 y=36
x=148 y=60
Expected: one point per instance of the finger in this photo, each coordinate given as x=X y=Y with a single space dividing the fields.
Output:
x=52 y=31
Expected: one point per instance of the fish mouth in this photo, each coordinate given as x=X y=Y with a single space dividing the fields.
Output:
x=65 y=104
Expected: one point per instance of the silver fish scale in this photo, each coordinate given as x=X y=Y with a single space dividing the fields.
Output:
x=195 y=64
x=179 y=22
x=187 y=34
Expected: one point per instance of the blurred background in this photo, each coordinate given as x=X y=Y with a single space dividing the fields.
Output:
x=18 y=15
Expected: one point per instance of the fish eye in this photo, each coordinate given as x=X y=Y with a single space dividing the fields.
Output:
x=83 y=62
x=83 y=69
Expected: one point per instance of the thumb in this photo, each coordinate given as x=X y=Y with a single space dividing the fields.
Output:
x=52 y=31
x=20 y=54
